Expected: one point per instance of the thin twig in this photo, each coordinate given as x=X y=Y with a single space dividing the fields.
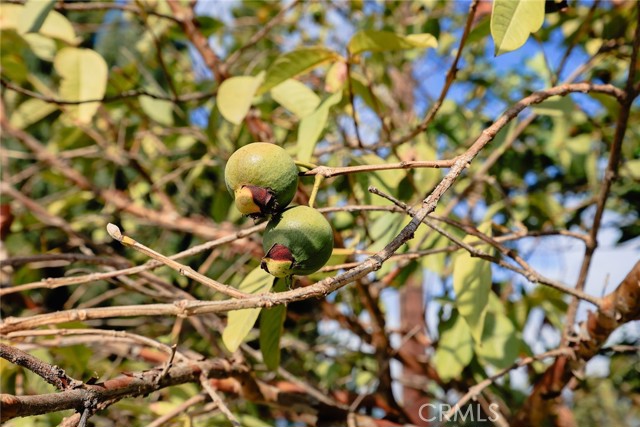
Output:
x=178 y=410
x=352 y=101
x=104 y=335
x=610 y=175
x=449 y=79
x=134 y=93
x=526 y=271
x=184 y=270
x=260 y=34
x=50 y=373
x=52 y=283
x=477 y=389
x=329 y=172
x=187 y=20
x=215 y=397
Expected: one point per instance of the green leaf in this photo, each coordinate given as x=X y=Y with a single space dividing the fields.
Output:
x=34 y=14
x=235 y=96
x=240 y=322
x=31 y=111
x=43 y=47
x=158 y=110
x=84 y=77
x=512 y=21
x=381 y=41
x=631 y=169
x=387 y=180
x=311 y=127
x=556 y=106
x=296 y=97
x=384 y=228
x=455 y=348
x=271 y=322
x=500 y=344
x=271 y=328
x=294 y=63
x=472 y=284
x=55 y=25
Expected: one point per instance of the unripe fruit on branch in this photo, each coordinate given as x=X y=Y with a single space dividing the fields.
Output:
x=262 y=177
x=297 y=241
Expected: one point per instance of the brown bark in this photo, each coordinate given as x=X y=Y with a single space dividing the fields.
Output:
x=412 y=310
x=619 y=307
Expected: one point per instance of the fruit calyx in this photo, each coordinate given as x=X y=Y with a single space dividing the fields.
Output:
x=255 y=201
x=279 y=261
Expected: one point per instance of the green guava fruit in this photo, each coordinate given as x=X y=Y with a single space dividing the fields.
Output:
x=262 y=177
x=297 y=241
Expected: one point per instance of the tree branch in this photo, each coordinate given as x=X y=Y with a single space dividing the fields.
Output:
x=98 y=396
x=51 y=374
x=617 y=308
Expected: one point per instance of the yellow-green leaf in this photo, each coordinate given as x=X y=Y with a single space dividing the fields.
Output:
x=294 y=63
x=380 y=41
x=512 y=21
x=159 y=110
x=296 y=97
x=235 y=96
x=500 y=344
x=455 y=348
x=271 y=328
x=34 y=14
x=311 y=127
x=31 y=111
x=556 y=106
x=43 y=47
x=240 y=322
x=472 y=284
x=55 y=24
x=84 y=77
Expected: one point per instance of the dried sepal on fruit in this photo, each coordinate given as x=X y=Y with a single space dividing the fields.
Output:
x=262 y=177
x=299 y=241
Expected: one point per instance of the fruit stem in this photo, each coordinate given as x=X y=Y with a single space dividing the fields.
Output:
x=288 y=281
x=314 y=192
x=305 y=165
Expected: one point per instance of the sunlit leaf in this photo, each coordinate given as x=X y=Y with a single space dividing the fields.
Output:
x=34 y=14
x=83 y=75
x=500 y=344
x=381 y=41
x=455 y=348
x=556 y=106
x=159 y=110
x=388 y=180
x=31 y=111
x=294 y=63
x=296 y=97
x=472 y=284
x=55 y=25
x=384 y=228
x=311 y=127
x=240 y=322
x=512 y=21
x=235 y=96
x=271 y=324
x=631 y=169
